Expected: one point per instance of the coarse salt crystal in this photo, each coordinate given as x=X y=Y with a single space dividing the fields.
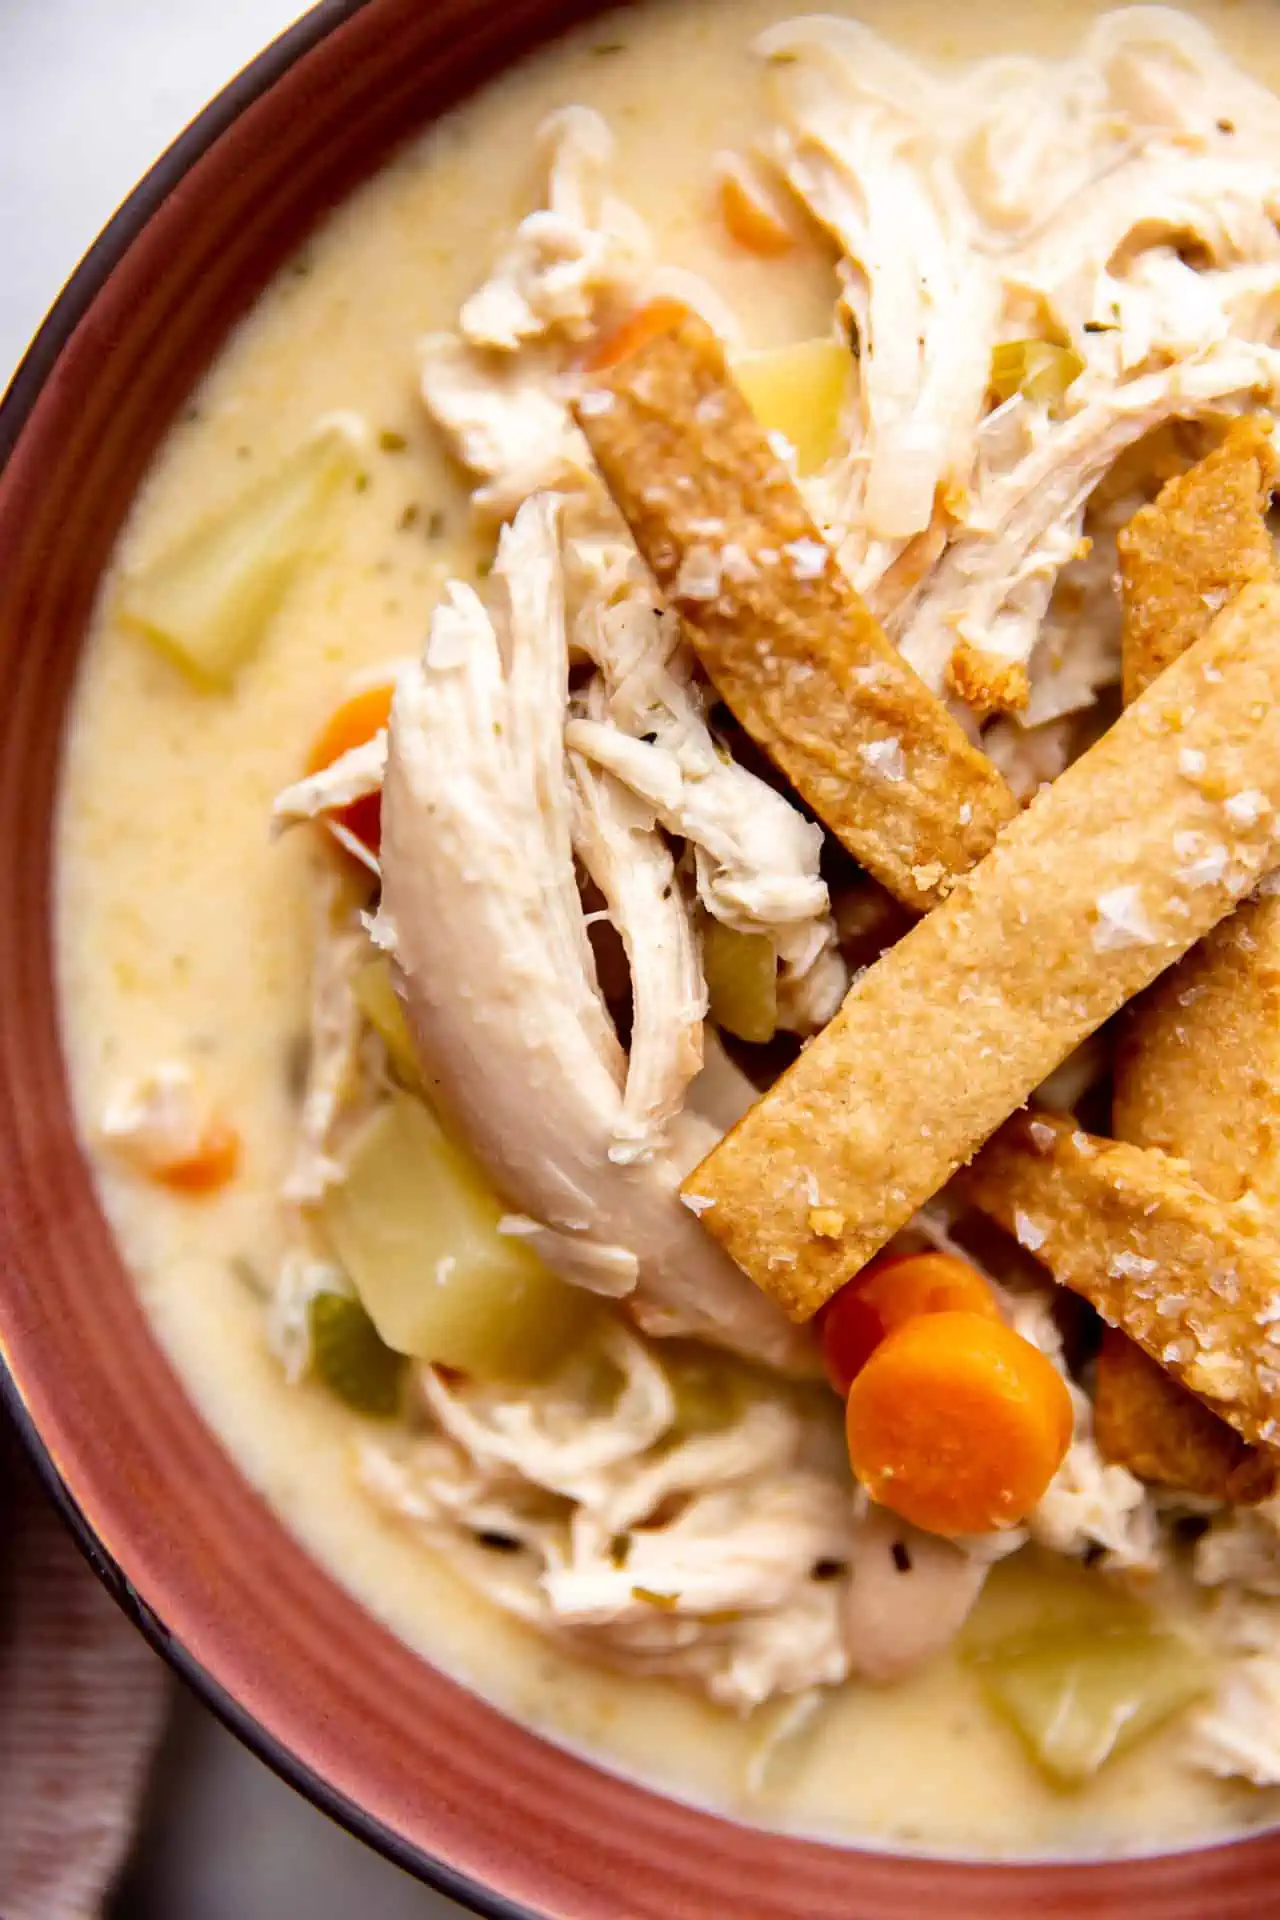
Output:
x=1191 y=763
x=782 y=447
x=1215 y=600
x=867 y=676
x=594 y=401
x=1204 y=861
x=1130 y=1266
x=884 y=757
x=699 y=576
x=1121 y=921
x=1269 y=885
x=1026 y=1231
x=1246 y=809
x=697 y=1202
x=1042 y=1136
x=737 y=562
x=966 y=813
x=808 y=558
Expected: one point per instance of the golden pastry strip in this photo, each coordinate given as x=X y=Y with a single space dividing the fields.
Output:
x=1193 y=550
x=1143 y=1420
x=1197 y=1072
x=785 y=639
x=1194 y=1280
x=1083 y=900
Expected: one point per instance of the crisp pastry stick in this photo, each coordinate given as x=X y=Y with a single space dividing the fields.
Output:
x=1197 y=1070
x=1144 y=1420
x=1083 y=900
x=786 y=640
x=1195 y=548
x=1194 y=1280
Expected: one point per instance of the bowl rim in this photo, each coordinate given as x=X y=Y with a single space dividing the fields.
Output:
x=95 y=267
x=1063 y=1878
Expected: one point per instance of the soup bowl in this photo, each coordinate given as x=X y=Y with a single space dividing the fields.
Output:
x=405 y=1757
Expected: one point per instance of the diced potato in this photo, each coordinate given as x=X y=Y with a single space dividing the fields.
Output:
x=380 y=1004
x=1036 y=368
x=800 y=392
x=416 y=1228
x=350 y=1358
x=209 y=600
x=1079 y=1695
x=742 y=981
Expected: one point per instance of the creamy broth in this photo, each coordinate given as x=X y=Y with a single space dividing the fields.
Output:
x=184 y=931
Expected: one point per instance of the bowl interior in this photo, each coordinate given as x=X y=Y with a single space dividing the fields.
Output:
x=411 y=1761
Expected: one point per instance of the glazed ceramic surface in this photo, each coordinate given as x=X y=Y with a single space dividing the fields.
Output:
x=414 y=1762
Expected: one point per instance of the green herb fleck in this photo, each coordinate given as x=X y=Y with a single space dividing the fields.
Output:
x=392 y=442
x=437 y=521
x=407 y=517
x=620 y=1550
x=362 y=483
x=665 y=1602
x=604 y=48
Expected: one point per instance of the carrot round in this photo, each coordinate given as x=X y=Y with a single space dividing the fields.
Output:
x=661 y=315
x=352 y=724
x=208 y=1165
x=885 y=1295
x=957 y=1423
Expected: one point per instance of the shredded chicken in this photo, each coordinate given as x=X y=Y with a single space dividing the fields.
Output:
x=756 y=857
x=701 y=1555
x=1237 y=1733
x=859 y=143
x=336 y=1094
x=482 y=916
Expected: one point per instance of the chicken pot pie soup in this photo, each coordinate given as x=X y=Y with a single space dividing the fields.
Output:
x=668 y=918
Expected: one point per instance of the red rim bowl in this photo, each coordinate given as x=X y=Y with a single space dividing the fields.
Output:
x=405 y=1758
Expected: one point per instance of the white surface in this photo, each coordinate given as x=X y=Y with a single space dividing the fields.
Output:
x=91 y=91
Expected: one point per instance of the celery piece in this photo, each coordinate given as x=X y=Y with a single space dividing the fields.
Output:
x=415 y=1226
x=348 y=1355
x=711 y=1390
x=1076 y=1697
x=1036 y=368
x=380 y=1004
x=742 y=981
x=209 y=599
x=800 y=392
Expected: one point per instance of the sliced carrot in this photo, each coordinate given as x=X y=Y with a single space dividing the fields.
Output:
x=885 y=1295
x=352 y=724
x=645 y=324
x=957 y=1423
x=205 y=1167
x=753 y=215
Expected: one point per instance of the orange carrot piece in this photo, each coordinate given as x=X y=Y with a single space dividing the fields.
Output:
x=352 y=724
x=752 y=215
x=209 y=1165
x=662 y=315
x=957 y=1423
x=890 y=1291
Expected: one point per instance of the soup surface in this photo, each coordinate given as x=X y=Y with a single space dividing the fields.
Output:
x=186 y=930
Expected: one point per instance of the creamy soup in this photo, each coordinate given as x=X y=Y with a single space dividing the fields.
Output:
x=187 y=932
